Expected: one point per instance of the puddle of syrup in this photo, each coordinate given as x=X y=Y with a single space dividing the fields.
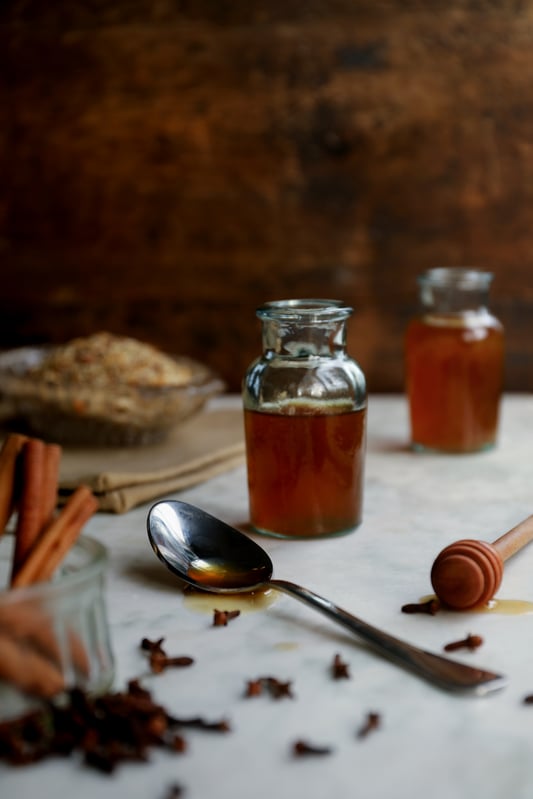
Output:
x=202 y=602
x=246 y=602
x=506 y=607
x=286 y=646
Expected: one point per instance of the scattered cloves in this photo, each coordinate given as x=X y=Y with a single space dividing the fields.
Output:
x=470 y=642
x=254 y=688
x=279 y=689
x=152 y=646
x=301 y=748
x=430 y=606
x=199 y=723
x=371 y=723
x=159 y=660
x=222 y=617
x=339 y=669
x=276 y=688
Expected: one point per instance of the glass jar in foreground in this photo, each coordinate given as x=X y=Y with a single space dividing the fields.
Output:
x=305 y=422
x=60 y=627
x=454 y=359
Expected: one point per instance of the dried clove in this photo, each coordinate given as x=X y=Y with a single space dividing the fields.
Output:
x=199 y=723
x=371 y=723
x=276 y=688
x=470 y=642
x=301 y=748
x=159 y=662
x=430 y=606
x=152 y=646
x=222 y=617
x=158 y=658
x=254 y=688
x=340 y=670
x=279 y=689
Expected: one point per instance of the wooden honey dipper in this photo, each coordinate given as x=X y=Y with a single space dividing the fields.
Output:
x=468 y=573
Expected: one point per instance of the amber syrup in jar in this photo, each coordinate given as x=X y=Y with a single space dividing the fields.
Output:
x=305 y=423
x=454 y=354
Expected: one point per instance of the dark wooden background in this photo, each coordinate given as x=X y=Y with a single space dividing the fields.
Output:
x=168 y=165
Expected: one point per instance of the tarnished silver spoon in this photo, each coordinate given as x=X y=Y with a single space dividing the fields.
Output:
x=215 y=557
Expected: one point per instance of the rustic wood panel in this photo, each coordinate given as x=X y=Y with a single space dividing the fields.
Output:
x=167 y=166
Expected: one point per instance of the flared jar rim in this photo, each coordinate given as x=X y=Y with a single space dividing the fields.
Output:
x=84 y=564
x=463 y=277
x=311 y=309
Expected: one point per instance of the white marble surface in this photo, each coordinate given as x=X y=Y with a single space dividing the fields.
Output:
x=430 y=743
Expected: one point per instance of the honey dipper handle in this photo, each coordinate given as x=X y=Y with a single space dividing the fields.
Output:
x=511 y=542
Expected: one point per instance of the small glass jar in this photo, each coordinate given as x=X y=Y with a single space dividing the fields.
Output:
x=59 y=627
x=305 y=422
x=454 y=359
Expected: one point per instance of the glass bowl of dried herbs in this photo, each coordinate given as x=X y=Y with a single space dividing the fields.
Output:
x=101 y=390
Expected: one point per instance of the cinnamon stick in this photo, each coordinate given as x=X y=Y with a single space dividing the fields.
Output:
x=9 y=455
x=55 y=541
x=30 y=513
x=38 y=496
x=52 y=459
x=28 y=670
x=26 y=623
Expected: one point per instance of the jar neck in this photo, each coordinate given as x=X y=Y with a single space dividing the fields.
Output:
x=454 y=290
x=304 y=328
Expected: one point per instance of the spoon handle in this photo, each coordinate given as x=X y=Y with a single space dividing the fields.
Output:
x=446 y=673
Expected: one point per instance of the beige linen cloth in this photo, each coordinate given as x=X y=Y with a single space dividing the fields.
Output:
x=207 y=444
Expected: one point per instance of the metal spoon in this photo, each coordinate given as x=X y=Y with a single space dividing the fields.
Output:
x=209 y=554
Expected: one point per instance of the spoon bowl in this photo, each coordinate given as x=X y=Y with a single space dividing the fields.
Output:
x=211 y=555
x=206 y=552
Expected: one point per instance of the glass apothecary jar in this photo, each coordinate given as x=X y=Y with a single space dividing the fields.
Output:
x=454 y=362
x=305 y=422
